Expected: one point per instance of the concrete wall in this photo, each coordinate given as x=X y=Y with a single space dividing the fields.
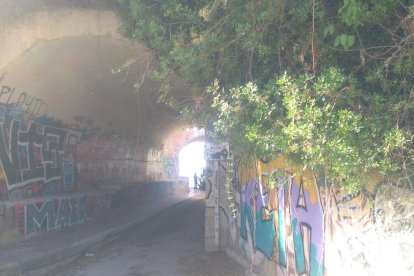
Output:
x=64 y=59
x=21 y=32
x=74 y=137
x=30 y=217
x=43 y=157
x=162 y=161
x=54 y=175
x=75 y=63
x=304 y=228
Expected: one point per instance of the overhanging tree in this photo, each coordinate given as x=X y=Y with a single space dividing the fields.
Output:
x=328 y=84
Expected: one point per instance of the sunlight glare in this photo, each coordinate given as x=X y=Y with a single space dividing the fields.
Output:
x=191 y=160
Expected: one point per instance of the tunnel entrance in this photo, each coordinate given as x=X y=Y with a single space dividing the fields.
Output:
x=191 y=161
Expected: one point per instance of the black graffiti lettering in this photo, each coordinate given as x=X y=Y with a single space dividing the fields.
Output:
x=9 y=153
x=32 y=105
x=7 y=90
x=53 y=148
x=33 y=154
x=21 y=100
x=28 y=103
x=219 y=155
x=36 y=107
x=32 y=138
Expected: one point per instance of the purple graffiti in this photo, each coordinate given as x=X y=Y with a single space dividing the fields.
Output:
x=306 y=213
x=262 y=229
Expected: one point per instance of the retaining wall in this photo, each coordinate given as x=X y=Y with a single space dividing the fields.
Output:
x=22 y=219
x=300 y=226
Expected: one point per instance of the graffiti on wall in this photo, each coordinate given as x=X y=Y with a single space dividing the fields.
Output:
x=307 y=227
x=44 y=157
x=217 y=151
x=262 y=232
x=154 y=164
x=284 y=223
x=287 y=222
x=22 y=102
x=47 y=215
x=40 y=155
x=160 y=167
x=101 y=157
x=36 y=153
x=170 y=167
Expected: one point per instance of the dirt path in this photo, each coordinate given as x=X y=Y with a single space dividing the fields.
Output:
x=168 y=244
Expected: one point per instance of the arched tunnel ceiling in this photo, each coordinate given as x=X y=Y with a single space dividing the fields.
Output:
x=74 y=79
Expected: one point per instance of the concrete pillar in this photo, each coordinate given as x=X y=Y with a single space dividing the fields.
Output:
x=217 y=217
x=211 y=240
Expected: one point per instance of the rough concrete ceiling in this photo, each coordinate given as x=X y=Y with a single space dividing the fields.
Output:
x=73 y=77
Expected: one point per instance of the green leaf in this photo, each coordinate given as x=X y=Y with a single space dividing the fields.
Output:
x=328 y=30
x=344 y=40
x=337 y=41
x=347 y=41
x=350 y=40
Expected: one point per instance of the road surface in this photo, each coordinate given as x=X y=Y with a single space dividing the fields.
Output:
x=171 y=243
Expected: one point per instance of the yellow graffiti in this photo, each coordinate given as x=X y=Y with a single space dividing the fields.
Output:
x=279 y=163
x=310 y=185
x=245 y=173
x=273 y=199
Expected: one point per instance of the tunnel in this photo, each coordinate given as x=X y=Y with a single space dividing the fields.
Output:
x=80 y=120
x=83 y=138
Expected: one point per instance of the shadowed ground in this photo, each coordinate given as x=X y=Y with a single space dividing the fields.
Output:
x=168 y=244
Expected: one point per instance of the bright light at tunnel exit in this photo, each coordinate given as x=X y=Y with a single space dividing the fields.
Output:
x=191 y=160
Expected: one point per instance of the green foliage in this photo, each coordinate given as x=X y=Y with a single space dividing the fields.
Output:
x=278 y=179
x=344 y=40
x=352 y=12
x=229 y=189
x=311 y=123
x=329 y=84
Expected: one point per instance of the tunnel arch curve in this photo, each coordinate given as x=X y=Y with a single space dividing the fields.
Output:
x=19 y=35
x=77 y=108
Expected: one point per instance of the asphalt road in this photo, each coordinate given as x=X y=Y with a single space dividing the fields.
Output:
x=170 y=243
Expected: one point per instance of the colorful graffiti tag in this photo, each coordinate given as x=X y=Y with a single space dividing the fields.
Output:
x=36 y=153
x=307 y=213
x=292 y=220
x=47 y=215
x=43 y=159
x=41 y=156
x=306 y=224
x=262 y=232
x=284 y=223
